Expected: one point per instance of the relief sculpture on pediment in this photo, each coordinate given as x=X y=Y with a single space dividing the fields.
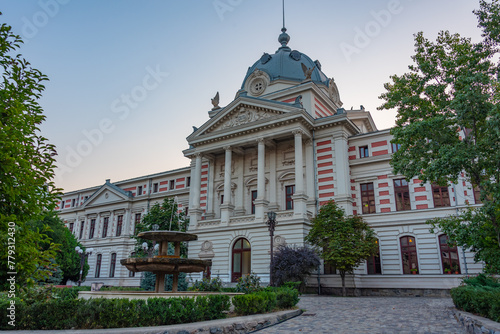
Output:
x=244 y=116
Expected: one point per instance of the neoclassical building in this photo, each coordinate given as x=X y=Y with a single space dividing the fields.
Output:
x=286 y=145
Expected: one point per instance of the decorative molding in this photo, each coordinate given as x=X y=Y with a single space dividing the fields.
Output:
x=244 y=116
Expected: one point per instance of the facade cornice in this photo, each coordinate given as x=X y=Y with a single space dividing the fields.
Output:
x=371 y=159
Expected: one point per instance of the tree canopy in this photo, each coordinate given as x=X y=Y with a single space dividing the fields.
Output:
x=344 y=241
x=448 y=126
x=26 y=162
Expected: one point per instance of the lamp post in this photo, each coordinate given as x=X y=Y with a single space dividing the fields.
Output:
x=271 y=224
x=150 y=251
x=83 y=254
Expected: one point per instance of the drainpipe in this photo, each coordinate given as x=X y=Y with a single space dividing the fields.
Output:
x=316 y=197
x=456 y=210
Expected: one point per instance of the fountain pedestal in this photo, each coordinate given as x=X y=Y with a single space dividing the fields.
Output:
x=163 y=264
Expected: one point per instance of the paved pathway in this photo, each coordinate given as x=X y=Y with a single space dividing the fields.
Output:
x=326 y=314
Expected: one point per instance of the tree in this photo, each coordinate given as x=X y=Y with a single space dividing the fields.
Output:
x=66 y=258
x=345 y=241
x=448 y=123
x=26 y=164
x=293 y=264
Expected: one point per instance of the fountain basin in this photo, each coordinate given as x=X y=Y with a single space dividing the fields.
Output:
x=164 y=265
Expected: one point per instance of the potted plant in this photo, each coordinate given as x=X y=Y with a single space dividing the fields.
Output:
x=414 y=271
x=447 y=270
x=455 y=270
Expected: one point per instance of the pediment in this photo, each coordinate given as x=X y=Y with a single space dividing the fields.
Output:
x=244 y=111
x=108 y=193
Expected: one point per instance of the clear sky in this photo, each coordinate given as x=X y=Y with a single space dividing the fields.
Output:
x=129 y=79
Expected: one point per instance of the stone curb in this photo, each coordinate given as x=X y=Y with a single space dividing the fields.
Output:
x=237 y=325
x=475 y=324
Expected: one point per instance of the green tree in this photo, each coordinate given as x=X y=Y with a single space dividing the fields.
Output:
x=448 y=122
x=26 y=164
x=345 y=241
x=67 y=259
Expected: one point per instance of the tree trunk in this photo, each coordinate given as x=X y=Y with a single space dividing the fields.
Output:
x=342 y=275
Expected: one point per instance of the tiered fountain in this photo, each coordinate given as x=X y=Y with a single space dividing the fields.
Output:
x=163 y=264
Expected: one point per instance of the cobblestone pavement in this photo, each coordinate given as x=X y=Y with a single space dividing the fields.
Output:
x=327 y=314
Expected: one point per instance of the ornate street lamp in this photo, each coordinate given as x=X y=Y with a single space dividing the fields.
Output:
x=271 y=224
x=83 y=254
x=150 y=251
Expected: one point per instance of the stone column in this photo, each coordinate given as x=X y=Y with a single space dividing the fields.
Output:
x=299 y=198
x=195 y=211
x=273 y=202
x=310 y=187
x=261 y=202
x=343 y=180
x=227 y=206
x=210 y=190
x=240 y=188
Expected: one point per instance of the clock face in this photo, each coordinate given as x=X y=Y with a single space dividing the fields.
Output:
x=295 y=55
x=257 y=86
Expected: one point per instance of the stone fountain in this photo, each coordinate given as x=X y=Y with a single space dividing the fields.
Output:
x=164 y=264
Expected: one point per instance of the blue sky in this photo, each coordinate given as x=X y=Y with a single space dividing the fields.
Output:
x=129 y=79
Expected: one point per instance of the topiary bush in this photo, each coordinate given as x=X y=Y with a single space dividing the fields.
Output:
x=253 y=303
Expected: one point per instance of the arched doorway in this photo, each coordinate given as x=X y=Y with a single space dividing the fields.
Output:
x=240 y=259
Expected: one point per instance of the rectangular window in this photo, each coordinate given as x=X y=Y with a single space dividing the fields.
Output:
x=395 y=147
x=373 y=263
x=329 y=269
x=441 y=196
x=82 y=226
x=368 y=198
x=402 y=193
x=363 y=151
x=71 y=225
x=289 y=191
x=131 y=273
x=105 y=227
x=113 y=265
x=188 y=181
x=254 y=196
x=221 y=199
x=139 y=190
x=172 y=185
x=477 y=195
x=119 y=226
x=155 y=187
x=73 y=203
x=98 y=266
x=92 y=228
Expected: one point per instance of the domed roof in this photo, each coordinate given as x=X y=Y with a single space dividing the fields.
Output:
x=287 y=64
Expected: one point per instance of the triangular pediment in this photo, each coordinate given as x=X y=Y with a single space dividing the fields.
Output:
x=108 y=193
x=244 y=111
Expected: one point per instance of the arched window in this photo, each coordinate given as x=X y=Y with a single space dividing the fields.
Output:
x=98 y=266
x=240 y=259
x=409 y=255
x=373 y=263
x=112 y=265
x=449 y=256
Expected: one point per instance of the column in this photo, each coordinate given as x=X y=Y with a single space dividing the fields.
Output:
x=310 y=187
x=261 y=202
x=195 y=211
x=227 y=207
x=343 y=184
x=210 y=190
x=273 y=202
x=240 y=188
x=299 y=198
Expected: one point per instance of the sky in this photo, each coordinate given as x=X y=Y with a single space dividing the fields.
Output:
x=129 y=79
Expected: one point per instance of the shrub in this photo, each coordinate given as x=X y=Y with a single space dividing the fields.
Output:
x=69 y=293
x=252 y=303
x=248 y=283
x=113 y=313
x=482 y=280
x=207 y=284
x=286 y=298
x=482 y=300
x=293 y=264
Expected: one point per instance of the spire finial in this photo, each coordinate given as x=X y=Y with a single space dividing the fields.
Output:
x=283 y=37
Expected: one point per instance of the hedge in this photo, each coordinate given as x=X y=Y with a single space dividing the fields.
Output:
x=265 y=301
x=482 y=300
x=113 y=313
